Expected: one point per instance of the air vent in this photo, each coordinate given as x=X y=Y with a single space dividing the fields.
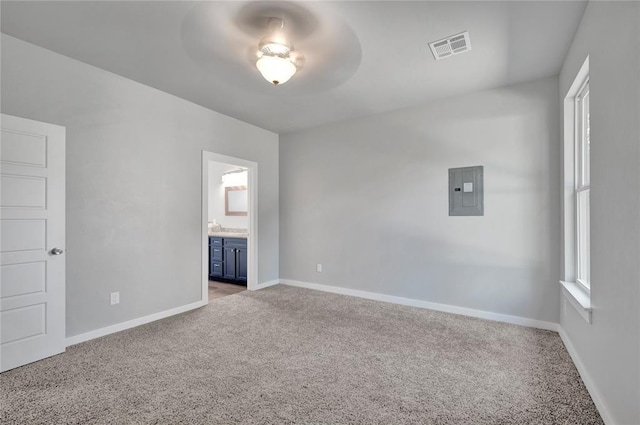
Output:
x=451 y=46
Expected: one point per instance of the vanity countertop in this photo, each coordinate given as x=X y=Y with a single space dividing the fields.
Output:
x=229 y=235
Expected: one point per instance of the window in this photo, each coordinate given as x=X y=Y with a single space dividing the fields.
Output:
x=576 y=280
x=583 y=159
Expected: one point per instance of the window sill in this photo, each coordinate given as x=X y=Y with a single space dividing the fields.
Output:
x=579 y=298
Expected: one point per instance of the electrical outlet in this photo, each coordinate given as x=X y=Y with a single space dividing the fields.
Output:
x=115 y=298
x=319 y=268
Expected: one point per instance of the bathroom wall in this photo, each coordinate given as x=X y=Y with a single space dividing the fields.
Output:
x=216 y=198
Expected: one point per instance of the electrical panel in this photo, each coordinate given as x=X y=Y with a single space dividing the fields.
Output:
x=466 y=191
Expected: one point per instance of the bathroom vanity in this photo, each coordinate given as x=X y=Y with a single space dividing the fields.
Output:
x=228 y=259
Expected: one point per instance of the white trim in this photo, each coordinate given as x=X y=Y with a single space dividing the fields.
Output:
x=77 y=339
x=586 y=378
x=522 y=321
x=266 y=284
x=570 y=170
x=579 y=298
x=252 y=239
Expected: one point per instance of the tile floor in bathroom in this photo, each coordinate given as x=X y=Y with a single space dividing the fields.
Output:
x=221 y=289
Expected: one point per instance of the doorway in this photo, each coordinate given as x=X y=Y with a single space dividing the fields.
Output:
x=229 y=225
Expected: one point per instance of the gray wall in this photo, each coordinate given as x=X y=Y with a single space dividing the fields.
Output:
x=609 y=347
x=133 y=183
x=368 y=199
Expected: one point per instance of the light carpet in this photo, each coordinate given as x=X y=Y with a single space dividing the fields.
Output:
x=287 y=355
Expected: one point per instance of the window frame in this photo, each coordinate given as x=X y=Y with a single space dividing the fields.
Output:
x=576 y=186
x=582 y=187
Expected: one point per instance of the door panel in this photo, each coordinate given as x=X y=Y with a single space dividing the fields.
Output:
x=22 y=279
x=32 y=289
x=242 y=264
x=229 y=264
x=22 y=235
x=23 y=192
x=31 y=319
x=23 y=148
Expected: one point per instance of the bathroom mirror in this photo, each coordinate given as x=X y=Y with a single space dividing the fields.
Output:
x=236 y=201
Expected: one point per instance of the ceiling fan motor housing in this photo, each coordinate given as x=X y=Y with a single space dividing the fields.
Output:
x=274 y=46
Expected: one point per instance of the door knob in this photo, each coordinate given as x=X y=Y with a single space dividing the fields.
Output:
x=56 y=251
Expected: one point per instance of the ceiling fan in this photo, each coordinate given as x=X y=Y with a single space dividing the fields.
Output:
x=279 y=39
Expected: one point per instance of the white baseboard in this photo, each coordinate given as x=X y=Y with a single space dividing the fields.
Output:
x=267 y=284
x=76 y=339
x=522 y=321
x=586 y=378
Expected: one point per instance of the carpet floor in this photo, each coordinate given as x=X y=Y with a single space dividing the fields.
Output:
x=287 y=355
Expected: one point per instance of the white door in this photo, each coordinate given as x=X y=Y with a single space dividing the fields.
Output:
x=32 y=237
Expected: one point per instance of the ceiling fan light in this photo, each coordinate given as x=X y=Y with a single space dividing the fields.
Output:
x=273 y=45
x=275 y=69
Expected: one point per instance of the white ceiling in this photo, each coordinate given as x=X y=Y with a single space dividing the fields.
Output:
x=362 y=57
